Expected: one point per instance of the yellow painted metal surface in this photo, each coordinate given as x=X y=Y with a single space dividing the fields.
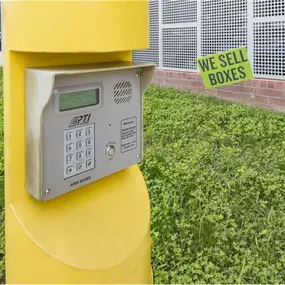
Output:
x=76 y=26
x=96 y=234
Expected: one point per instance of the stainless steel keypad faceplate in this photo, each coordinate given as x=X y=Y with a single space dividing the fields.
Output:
x=82 y=123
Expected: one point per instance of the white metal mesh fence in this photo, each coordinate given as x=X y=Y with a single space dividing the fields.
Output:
x=179 y=47
x=268 y=8
x=179 y=34
x=152 y=54
x=223 y=25
x=269 y=38
x=179 y=11
x=182 y=30
x=269 y=48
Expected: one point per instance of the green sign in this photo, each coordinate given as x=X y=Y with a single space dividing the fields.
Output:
x=225 y=68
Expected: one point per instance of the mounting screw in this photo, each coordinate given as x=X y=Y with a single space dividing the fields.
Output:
x=138 y=74
x=138 y=156
x=47 y=192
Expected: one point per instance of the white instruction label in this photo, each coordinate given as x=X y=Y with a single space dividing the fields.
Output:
x=128 y=134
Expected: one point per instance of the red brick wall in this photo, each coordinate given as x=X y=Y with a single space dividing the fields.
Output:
x=264 y=93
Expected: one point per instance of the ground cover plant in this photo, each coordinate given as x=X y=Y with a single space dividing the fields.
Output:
x=215 y=172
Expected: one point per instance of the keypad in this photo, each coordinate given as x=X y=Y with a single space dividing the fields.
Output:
x=79 y=150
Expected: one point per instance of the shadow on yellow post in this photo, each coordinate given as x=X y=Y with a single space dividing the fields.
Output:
x=98 y=233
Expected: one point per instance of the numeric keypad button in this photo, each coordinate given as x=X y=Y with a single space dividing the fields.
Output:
x=79 y=155
x=69 y=170
x=69 y=136
x=69 y=147
x=88 y=131
x=79 y=167
x=79 y=145
x=88 y=142
x=79 y=133
x=89 y=163
x=89 y=152
x=69 y=159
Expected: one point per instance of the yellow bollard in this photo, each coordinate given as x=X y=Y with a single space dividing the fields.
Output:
x=100 y=232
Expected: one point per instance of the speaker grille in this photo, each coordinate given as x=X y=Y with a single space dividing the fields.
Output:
x=122 y=92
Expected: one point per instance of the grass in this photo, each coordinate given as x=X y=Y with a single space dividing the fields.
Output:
x=215 y=173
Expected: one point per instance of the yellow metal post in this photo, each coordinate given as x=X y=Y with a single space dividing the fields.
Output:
x=99 y=233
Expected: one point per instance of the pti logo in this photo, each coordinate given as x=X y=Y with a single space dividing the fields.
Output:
x=79 y=120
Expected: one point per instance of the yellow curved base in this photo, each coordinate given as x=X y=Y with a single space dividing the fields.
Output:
x=96 y=234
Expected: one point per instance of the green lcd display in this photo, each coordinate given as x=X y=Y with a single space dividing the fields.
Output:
x=78 y=99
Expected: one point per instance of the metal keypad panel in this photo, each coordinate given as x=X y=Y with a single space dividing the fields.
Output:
x=79 y=150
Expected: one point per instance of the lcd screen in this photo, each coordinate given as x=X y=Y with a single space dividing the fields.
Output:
x=78 y=99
